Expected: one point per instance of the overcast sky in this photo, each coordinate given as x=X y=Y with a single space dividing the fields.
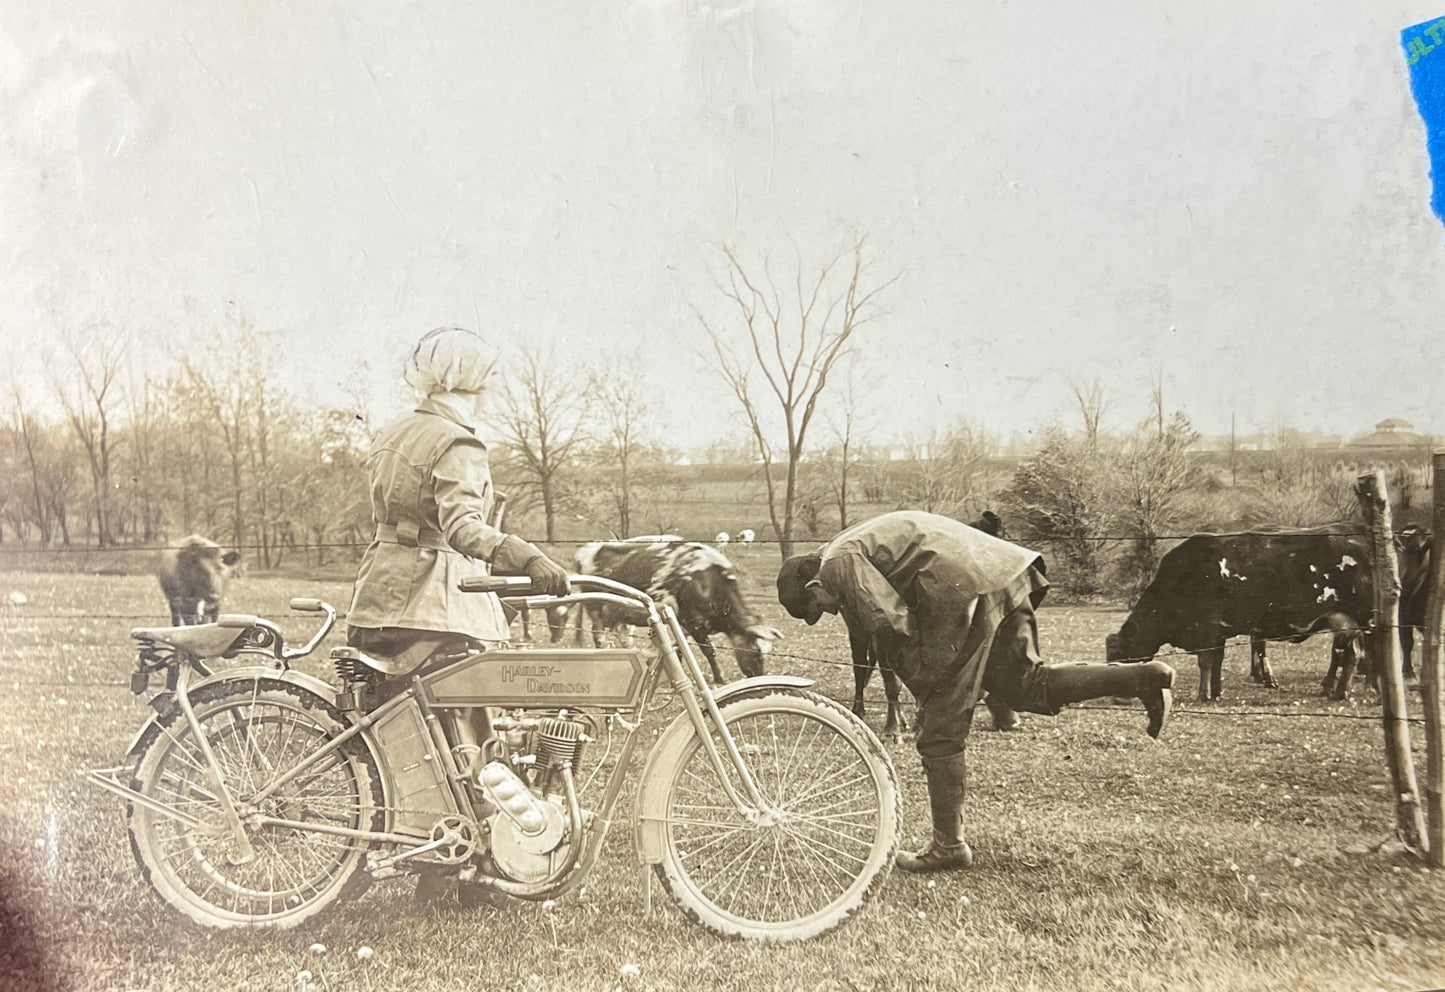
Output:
x=1235 y=192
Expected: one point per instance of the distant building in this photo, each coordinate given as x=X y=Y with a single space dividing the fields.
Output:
x=1391 y=433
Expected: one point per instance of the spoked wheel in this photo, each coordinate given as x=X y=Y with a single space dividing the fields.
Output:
x=818 y=852
x=255 y=734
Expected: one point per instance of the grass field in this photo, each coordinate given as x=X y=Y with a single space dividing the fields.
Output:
x=1238 y=852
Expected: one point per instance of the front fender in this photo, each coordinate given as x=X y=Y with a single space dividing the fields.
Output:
x=651 y=806
x=249 y=674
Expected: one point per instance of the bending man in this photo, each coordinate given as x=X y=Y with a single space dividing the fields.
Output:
x=952 y=612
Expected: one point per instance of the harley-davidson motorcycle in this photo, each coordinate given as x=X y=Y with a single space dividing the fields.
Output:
x=258 y=795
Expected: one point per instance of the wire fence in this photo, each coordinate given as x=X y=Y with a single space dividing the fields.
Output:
x=304 y=546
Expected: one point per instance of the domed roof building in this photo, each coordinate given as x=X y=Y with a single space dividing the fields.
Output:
x=1390 y=433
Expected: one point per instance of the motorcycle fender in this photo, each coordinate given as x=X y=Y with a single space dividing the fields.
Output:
x=308 y=682
x=651 y=807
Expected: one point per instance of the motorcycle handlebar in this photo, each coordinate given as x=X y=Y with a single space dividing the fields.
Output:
x=515 y=585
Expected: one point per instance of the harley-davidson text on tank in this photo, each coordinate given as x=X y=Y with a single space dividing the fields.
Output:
x=539 y=677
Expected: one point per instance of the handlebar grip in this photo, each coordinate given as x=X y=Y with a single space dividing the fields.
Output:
x=513 y=584
x=307 y=605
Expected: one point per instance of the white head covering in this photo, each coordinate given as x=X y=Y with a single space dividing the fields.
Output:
x=450 y=359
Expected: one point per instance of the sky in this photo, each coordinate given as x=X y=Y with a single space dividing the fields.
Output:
x=1232 y=196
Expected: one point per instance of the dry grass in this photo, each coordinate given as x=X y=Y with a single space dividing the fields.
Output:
x=1216 y=858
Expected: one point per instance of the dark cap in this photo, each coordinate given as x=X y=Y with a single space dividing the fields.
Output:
x=796 y=573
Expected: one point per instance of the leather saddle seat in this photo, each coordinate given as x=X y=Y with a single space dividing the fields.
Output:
x=206 y=640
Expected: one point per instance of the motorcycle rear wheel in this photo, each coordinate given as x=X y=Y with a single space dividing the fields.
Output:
x=255 y=731
x=830 y=838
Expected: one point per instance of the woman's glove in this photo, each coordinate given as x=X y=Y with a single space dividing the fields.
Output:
x=515 y=556
x=548 y=577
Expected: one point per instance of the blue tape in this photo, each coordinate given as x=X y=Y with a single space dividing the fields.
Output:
x=1424 y=46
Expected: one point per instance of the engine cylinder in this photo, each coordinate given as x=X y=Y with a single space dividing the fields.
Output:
x=559 y=743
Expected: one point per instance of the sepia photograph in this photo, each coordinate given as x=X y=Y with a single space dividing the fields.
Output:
x=722 y=495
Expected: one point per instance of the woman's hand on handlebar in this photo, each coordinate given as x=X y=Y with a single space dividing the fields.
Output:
x=548 y=577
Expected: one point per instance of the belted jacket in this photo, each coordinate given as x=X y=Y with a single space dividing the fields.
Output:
x=431 y=502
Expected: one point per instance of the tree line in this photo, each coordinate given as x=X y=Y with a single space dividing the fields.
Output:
x=212 y=445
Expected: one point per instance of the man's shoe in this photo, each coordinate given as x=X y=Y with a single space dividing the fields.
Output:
x=937 y=857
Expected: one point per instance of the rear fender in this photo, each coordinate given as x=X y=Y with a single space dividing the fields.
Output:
x=651 y=805
x=254 y=674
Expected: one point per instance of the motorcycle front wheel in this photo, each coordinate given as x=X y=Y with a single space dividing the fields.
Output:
x=255 y=731
x=821 y=849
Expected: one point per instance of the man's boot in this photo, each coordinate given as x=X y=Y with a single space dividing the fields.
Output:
x=1004 y=716
x=945 y=802
x=1150 y=682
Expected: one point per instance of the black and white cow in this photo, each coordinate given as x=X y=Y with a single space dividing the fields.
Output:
x=193 y=577
x=698 y=582
x=1271 y=584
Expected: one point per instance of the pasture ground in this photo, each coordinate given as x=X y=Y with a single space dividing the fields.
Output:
x=1238 y=852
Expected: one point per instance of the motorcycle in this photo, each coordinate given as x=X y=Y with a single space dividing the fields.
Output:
x=260 y=796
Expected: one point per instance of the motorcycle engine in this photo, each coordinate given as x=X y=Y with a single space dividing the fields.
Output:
x=542 y=747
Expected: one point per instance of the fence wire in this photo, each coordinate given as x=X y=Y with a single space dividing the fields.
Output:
x=295 y=547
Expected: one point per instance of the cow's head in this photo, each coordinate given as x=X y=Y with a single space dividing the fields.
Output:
x=194 y=578
x=705 y=585
x=1121 y=646
x=752 y=646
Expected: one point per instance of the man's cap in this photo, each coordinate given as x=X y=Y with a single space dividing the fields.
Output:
x=794 y=575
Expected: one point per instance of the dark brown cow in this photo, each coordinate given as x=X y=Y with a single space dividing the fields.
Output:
x=193 y=576
x=696 y=579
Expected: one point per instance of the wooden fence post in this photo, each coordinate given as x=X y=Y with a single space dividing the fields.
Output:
x=1384 y=648
x=1432 y=677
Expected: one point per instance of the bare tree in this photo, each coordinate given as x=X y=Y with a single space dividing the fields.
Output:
x=1156 y=395
x=541 y=419
x=950 y=472
x=839 y=459
x=1092 y=406
x=791 y=333
x=622 y=421
x=88 y=391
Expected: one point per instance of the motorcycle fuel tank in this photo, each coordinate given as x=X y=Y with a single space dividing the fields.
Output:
x=539 y=678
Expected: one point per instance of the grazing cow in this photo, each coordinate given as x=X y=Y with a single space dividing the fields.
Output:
x=193 y=576
x=746 y=537
x=1266 y=584
x=722 y=538
x=697 y=580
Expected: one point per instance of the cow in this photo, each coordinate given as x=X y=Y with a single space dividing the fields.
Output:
x=746 y=536
x=865 y=659
x=193 y=577
x=722 y=538
x=699 y=583
x=1273 y=584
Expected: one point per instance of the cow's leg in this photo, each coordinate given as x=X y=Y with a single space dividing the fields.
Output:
x=557 y=622
x=1407 y=648
x=1211 y=665
x=1337 y=660
x=863 y=660
x=896 y=721
x=709 y=654
x=1259 y=669
x=1345 y=647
